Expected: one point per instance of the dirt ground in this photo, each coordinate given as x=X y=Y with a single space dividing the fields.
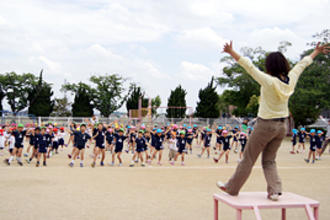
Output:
x=153 y=192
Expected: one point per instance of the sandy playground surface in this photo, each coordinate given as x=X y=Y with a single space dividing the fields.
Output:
x=154 y=192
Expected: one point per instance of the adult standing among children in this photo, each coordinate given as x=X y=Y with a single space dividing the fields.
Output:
x=327 y=139
x=277 y=85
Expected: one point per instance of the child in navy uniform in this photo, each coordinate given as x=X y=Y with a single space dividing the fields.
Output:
x=243 y=141
x=19 y=135
x=141 y=146
x=109 y=136
x=319 y=142
x=35 y=137
x=207 y=143
x=80 y=139
x=218 y=144
x=119 y=144
x=312 y=148
x=226 y=146
x=42 y=143
x=301 y=136
x=158 y=144
x=99 y=134
x=294 y=140
x=181 y=145
x=190 y=138
x=235 y=133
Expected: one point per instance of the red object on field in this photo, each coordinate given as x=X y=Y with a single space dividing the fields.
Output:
x=258 y=200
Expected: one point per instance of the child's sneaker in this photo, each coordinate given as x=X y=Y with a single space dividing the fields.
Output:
x=44 y=164
x=37 y=164
x=172 y=163
x=215 y=160
x=199 y=156
x=136 y=161
x=159 y=163
x=236 y=151
x=131 y=165
x=313 y=161
x=149 y=162
x=26 y=155
x=143 y=165
x=81 y=165
x=208 y=156
x=71 y=164
x=306 y=160
x=292 y=152
x=28 y=161
x=20 y=163
x=102 y=164
x=120 y=164
x=112 y=164
x=182 y=163
x=93 y=164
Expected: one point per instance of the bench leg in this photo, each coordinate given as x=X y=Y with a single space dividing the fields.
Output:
x=283 y=214
x=216 y=210
x=239 y=214
x=257 y=212
x=316 y=213
x=309 y=212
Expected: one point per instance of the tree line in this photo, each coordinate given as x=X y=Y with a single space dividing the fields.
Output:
x=108 y=93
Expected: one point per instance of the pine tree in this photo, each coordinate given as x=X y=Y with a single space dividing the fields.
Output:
x=82 y=105
x=207 y=105
x=40 y=99
x=177 y=99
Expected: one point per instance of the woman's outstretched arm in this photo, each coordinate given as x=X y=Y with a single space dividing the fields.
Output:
x=259 y=76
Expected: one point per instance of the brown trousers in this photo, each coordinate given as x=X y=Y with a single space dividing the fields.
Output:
x=266 y=139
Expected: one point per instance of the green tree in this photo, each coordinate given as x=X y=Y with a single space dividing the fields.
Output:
x=312 y=91
x=82 y=105
x=17 y=88
x=177 y=99
x=110 y=93
x=40 y=98
x=155 y=103
x=61 y=107
x=133 y=99
x=207 y=104
x=252 y=106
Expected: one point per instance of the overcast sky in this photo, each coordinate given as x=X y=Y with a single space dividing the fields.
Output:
x=158 y=44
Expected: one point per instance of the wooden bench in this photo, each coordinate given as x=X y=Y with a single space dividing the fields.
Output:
x=258 y=200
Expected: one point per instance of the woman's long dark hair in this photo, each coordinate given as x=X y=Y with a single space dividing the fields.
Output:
x=277 y=64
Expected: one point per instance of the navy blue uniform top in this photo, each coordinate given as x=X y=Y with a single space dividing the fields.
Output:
x=301 y=136
x=234 y=132
x=140 y=143
x=207 y=140
x=226 y=140
x=243 y=141
x=120 y=140
x=100 y=135
x=319 y=141
x=190 y=136
x=42 y=140
x=19 y=137
x=80 y=138
x=219 y=132
x=158 y=140
x=109 y=136
x=294 y=138
x=132 y=136
x=313 y=140
x=181 y=142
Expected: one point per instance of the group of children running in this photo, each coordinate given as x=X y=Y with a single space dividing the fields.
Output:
x=316 y=139
x=145 y=143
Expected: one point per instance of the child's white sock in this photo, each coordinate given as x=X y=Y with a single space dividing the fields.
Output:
x=11 y=159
